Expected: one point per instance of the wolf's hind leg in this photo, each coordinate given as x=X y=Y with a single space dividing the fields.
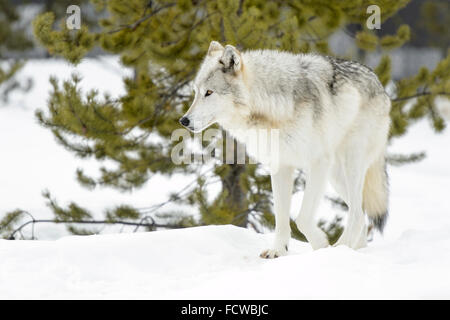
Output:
x=362 y=240
x=355 y=232
x=282 y=184
x=340 y=185
x=315 y=187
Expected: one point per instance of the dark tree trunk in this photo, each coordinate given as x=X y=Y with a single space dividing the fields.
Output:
x=231 y=184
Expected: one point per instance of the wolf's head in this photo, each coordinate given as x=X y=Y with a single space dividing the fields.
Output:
x=219 y=88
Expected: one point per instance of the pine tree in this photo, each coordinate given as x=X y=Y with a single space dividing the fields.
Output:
x=13 y=38
x=164 y=42
x=15 y=41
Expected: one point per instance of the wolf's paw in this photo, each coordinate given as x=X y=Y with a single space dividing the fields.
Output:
x=274 y=253
x=353 y=240
x=355 y=243
x=320 y=241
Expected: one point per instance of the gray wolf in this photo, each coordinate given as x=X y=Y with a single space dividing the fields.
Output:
x=333 y=121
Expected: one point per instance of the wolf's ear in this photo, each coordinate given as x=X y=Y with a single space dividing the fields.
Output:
x=214 y=46
x=231 y=59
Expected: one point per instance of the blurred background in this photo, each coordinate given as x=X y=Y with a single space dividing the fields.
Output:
x=86 y=114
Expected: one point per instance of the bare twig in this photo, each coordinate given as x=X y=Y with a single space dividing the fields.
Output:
x=153 y=224
x=136 y=24
x=425 y=93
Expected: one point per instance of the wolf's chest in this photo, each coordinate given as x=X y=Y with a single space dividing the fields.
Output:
x=272 y=146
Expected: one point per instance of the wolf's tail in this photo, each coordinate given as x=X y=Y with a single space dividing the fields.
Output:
x=376 y=193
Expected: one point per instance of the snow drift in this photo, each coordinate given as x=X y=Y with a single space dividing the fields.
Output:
x=222 y=262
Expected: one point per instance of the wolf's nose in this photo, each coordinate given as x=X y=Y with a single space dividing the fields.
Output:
x=184 y=121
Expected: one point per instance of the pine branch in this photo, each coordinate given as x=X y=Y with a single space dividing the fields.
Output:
x=399 y=159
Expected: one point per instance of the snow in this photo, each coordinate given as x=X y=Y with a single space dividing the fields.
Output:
x=221 y=262
x=411 y=260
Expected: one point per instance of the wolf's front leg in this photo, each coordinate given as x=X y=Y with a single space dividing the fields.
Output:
x=282 y=183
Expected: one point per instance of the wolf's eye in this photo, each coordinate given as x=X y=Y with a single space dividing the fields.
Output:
x=208 y=93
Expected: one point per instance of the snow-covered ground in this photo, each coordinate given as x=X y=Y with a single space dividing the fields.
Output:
x=411 y=260
x=222 y=262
